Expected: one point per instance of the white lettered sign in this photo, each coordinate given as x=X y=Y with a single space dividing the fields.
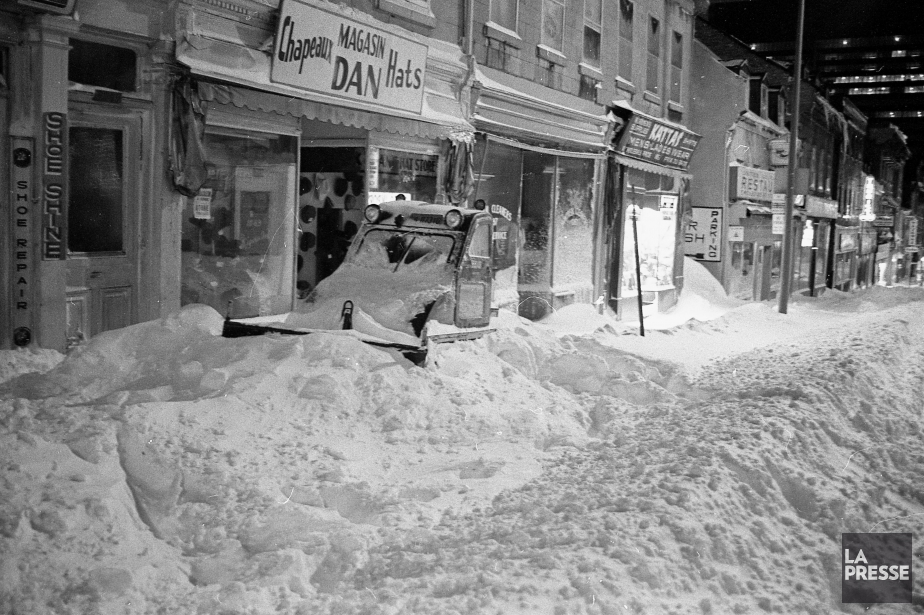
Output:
x=324 y=52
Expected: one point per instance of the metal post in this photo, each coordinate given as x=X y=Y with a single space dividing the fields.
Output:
x=788 y=231
x=638 y=267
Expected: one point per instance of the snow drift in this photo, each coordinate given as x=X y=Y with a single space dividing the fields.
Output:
x=163 y=469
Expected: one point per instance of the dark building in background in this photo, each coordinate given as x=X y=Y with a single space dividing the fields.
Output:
x=873 y=53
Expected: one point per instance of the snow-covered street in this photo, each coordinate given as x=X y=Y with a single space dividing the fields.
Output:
x=561 y=467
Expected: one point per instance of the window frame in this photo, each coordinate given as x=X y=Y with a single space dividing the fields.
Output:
x=492 y=14
x=589 y=24
x=625 y=63
x=554 y=45
x=653 y=56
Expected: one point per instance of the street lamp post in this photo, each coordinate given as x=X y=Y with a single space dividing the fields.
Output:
x=788 y=231
x=633 y=213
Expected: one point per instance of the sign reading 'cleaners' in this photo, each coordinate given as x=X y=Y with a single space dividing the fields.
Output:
x=321 y=51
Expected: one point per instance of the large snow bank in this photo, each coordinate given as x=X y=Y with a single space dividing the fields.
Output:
x=164 y=469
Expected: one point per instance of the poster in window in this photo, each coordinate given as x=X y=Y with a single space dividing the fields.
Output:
x=254 y=221
x=202 y=204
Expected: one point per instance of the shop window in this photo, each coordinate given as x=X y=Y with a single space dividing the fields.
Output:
x=96 y=206
x=535 y=271
x=626 y=45
x=237 y=233
x=573 y=231
x=553 y=24
x=657 y=230
x=653 y=74
x=407 y=173
x=593 y=14
x=104 y=66
x=504 y=13
x=498 y=186
x=676 y=67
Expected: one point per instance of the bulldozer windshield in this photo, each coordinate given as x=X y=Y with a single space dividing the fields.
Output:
x=391 y=249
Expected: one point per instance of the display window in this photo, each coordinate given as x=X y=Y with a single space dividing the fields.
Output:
x=574 y=217
x=410 y=174
x=238 y=231
x=650 y=195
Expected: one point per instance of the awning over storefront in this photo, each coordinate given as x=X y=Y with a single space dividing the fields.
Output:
x=651 y=168
x=526 y=110
x=238 y=65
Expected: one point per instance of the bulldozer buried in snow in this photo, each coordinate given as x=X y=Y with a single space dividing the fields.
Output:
x=415 y=274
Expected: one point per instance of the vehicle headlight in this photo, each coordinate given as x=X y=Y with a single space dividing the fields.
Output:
x=372 y=213
x=453 y=218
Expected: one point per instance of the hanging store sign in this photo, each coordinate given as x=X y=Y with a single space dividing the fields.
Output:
x=884 y=221
x=22 y=262
x=778 y=224
x=912 y=231
x=735 y=233
x=703 y=235
x=820 y=208
x=779 y=152
x=846 y=242
x=653 y=141
x=322 y=51
x=750 y=183
x=54 y=186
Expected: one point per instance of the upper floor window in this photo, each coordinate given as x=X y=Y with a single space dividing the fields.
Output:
x=626 y=12
x=593 y=20
x=102 y=66
x=676 y=67
x=653 y=74
x=757 y=96
x=504 y=13
x=553 y=21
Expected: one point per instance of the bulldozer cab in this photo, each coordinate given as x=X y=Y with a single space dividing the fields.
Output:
x=417 y=243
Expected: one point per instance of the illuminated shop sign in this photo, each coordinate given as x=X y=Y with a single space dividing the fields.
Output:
x=322 y=51
x=703 y=236
x=820 y=208
x=869 y=195
x=648 y=139
x=750 y=183
x=54 y=186
x=22 y=262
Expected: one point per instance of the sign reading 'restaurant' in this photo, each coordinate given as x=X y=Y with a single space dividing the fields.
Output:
x=324 y=52
x=648 y=139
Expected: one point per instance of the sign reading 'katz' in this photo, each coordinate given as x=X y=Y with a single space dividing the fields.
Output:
x=321 y=51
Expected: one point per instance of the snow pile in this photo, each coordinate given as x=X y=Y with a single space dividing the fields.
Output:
x=162 y=468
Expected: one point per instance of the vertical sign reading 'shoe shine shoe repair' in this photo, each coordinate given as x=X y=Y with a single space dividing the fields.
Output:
x=322 y=51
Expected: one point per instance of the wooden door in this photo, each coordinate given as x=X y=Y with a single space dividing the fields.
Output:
x=102 y=250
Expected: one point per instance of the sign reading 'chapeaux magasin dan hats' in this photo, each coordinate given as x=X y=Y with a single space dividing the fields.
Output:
x=323 y=51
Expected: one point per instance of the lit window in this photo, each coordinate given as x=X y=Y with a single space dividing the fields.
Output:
x=899 y=53
x=914 y=89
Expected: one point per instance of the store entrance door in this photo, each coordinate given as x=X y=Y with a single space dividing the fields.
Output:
x=103 y=197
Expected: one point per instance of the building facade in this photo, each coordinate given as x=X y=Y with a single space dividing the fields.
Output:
x=215 y=152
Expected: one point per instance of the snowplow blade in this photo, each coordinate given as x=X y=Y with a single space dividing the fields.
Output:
x=415 y=354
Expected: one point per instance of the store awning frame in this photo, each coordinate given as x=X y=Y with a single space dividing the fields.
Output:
x=242 y=76
x=651 y=168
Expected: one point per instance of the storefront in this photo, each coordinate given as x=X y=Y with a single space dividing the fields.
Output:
x=538 y=164
x=648 y=193
x=300 y=141
x=82 y=108
x=815 y=268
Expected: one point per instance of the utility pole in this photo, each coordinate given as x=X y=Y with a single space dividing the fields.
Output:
x=788 y=231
